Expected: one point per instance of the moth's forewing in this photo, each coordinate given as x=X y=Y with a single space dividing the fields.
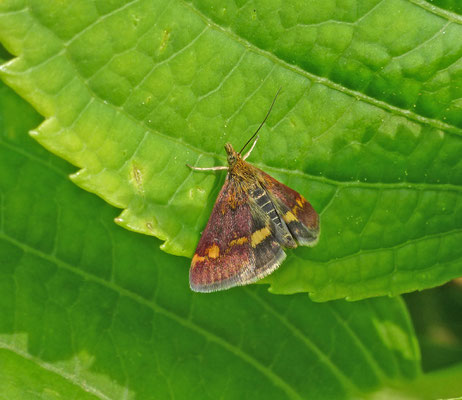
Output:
x=238 y=245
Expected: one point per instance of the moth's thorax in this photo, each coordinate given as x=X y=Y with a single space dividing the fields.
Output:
x=240 y=170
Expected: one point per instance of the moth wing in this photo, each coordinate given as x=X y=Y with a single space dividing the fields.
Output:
x=237 y=247
x=263 y=208
x=298 y=214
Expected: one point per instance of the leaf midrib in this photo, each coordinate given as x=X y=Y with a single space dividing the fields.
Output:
x=394 y=248
x=363 y=184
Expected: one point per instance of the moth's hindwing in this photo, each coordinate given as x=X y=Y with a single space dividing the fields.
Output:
x=298 y=214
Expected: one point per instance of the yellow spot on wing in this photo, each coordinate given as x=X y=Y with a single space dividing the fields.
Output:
x=289 y=217
x=213 y=251
x=300 y=201
x=197 y=258
x=241 y=240
x=260 y=235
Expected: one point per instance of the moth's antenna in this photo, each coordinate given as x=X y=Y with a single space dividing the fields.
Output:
x=267 y=114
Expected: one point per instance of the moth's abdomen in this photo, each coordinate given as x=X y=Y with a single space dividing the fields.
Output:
x=275 y=223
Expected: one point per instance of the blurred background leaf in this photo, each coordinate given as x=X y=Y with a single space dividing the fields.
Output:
x=436 y=315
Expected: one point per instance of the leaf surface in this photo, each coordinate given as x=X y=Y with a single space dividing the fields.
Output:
x=368 y=126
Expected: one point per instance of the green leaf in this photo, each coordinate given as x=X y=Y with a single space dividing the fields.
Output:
x=368 y=126
x=92 y=311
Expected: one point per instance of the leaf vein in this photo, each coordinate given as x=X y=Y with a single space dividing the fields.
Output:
x=395 y=247
x=438 y=11
x=347 y=382
x=51 y=368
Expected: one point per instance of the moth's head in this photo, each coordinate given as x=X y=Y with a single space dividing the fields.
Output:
x=232 y=155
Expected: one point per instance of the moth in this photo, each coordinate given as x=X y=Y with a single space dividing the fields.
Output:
x=255 y=217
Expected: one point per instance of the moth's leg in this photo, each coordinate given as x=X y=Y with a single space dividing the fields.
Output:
x=250 y=151
x=221 y=167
